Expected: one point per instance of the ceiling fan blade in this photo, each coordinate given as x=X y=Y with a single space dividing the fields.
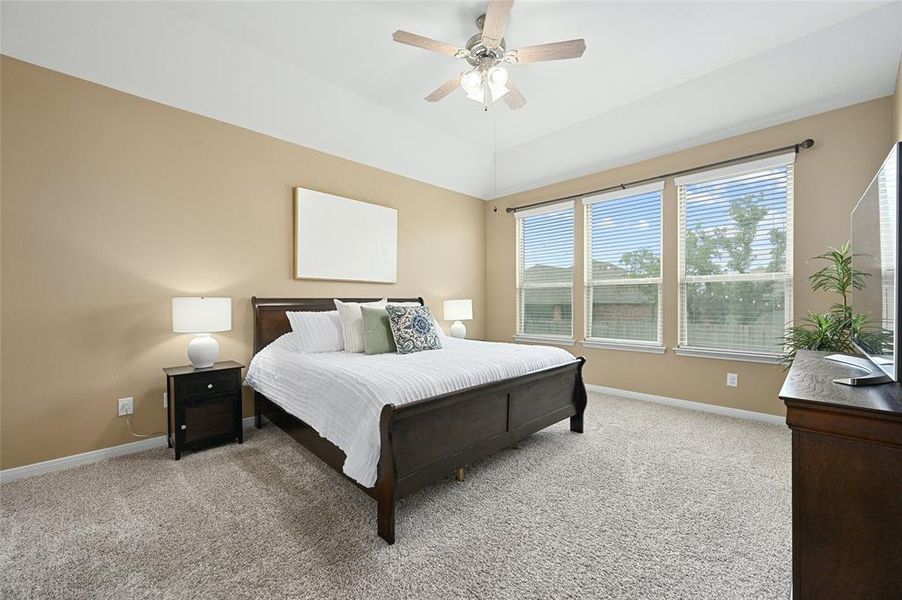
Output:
x=495 y=21
x=412 y=39
x=444 y=89
x=543 y=52
x=513 y=97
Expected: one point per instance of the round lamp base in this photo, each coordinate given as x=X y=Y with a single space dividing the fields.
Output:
x=203 y=350
x=458 y=330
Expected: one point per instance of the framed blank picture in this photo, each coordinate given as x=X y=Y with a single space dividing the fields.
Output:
x=346 y=240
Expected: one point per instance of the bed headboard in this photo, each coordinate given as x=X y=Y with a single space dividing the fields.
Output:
x=270 y=320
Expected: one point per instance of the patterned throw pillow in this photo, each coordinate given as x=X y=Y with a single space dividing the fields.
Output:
x=413 y=328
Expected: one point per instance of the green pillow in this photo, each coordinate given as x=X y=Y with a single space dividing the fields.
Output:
x=377 y=335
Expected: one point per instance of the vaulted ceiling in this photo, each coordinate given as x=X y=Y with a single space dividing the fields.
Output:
x=656 y=77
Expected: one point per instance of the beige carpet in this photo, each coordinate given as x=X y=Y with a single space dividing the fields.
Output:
x=651 y=502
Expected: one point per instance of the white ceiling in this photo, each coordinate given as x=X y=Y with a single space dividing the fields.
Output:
x=657 y=76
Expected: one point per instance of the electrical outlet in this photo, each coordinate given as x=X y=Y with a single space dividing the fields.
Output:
x=126 y=406
x=732 y=379
x=165 y=399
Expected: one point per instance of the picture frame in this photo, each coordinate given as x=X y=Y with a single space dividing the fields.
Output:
x=340 y=239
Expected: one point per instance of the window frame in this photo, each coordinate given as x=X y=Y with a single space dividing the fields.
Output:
x=786 y=277
x=520 y=335
x=591 y=341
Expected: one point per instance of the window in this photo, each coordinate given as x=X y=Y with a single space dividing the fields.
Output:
x=545 y=271
x=623 y=265
x=735 y=257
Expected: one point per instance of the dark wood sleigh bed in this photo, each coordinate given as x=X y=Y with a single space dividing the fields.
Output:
x=426 y=440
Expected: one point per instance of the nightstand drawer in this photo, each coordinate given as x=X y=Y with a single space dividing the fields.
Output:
x=212 y=384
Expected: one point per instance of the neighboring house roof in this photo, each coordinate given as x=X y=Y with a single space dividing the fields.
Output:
x=540 y=273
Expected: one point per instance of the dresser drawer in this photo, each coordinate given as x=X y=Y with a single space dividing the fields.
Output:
x=207 y=386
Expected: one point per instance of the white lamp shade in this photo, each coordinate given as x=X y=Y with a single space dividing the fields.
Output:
x=458 y=310
x=201 y=315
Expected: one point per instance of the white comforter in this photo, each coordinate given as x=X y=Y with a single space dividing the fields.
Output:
x=341 y=394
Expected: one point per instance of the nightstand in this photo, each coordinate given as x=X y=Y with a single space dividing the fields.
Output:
x=204 y=406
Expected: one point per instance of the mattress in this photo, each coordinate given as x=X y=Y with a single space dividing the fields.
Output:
x=341 y=394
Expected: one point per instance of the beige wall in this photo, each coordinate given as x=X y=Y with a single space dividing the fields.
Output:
x=112 y=204
x=829 y=179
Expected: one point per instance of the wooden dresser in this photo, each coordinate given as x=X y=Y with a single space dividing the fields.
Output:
x=846 y=483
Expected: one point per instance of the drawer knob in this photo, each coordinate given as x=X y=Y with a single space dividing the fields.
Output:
x=209 y=386
x=184 y=427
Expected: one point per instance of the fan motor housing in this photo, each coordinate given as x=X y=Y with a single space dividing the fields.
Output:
x=478 y=52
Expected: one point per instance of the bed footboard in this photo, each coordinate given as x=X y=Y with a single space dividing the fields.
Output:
x=426 y=440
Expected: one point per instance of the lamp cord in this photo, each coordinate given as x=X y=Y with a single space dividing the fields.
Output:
x=128 y=422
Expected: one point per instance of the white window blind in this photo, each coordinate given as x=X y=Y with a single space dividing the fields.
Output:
x=735 y=256
x=545 y=271
x=623 y=265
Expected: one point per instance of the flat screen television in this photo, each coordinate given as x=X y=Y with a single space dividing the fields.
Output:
x=875 y=255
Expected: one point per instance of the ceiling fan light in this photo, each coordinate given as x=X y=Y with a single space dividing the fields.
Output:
x=477 y=95
x=471 y=82
x=497 y=91
x=497 y=76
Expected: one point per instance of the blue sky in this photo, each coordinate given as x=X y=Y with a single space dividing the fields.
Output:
x=709 y=205
x=626 y=224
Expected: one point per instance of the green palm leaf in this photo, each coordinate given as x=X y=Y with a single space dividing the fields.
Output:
x=834 y=331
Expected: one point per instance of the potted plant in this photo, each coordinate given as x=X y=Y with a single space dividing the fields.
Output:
x=834 y=330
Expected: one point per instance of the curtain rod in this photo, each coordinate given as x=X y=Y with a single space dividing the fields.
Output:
x=808 y=143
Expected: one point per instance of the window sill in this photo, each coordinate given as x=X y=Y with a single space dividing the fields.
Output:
x=629 y=347
x=545 y=339
x=771 y=359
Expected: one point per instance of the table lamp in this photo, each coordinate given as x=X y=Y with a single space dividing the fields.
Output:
x=457 y=311
x=202 y=316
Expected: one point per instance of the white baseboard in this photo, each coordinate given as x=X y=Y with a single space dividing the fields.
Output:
x=84 y=458
x=712 y=408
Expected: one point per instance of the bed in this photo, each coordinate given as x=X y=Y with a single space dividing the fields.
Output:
x=414 y=441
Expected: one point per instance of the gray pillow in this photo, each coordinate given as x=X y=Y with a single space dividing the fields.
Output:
x=377 y=335
x=413 y=328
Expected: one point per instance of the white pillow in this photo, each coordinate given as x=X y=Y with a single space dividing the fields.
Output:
x=317 y=331
x=352 y=322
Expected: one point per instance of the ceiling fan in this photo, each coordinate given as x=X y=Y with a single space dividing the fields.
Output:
x=487 y=80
